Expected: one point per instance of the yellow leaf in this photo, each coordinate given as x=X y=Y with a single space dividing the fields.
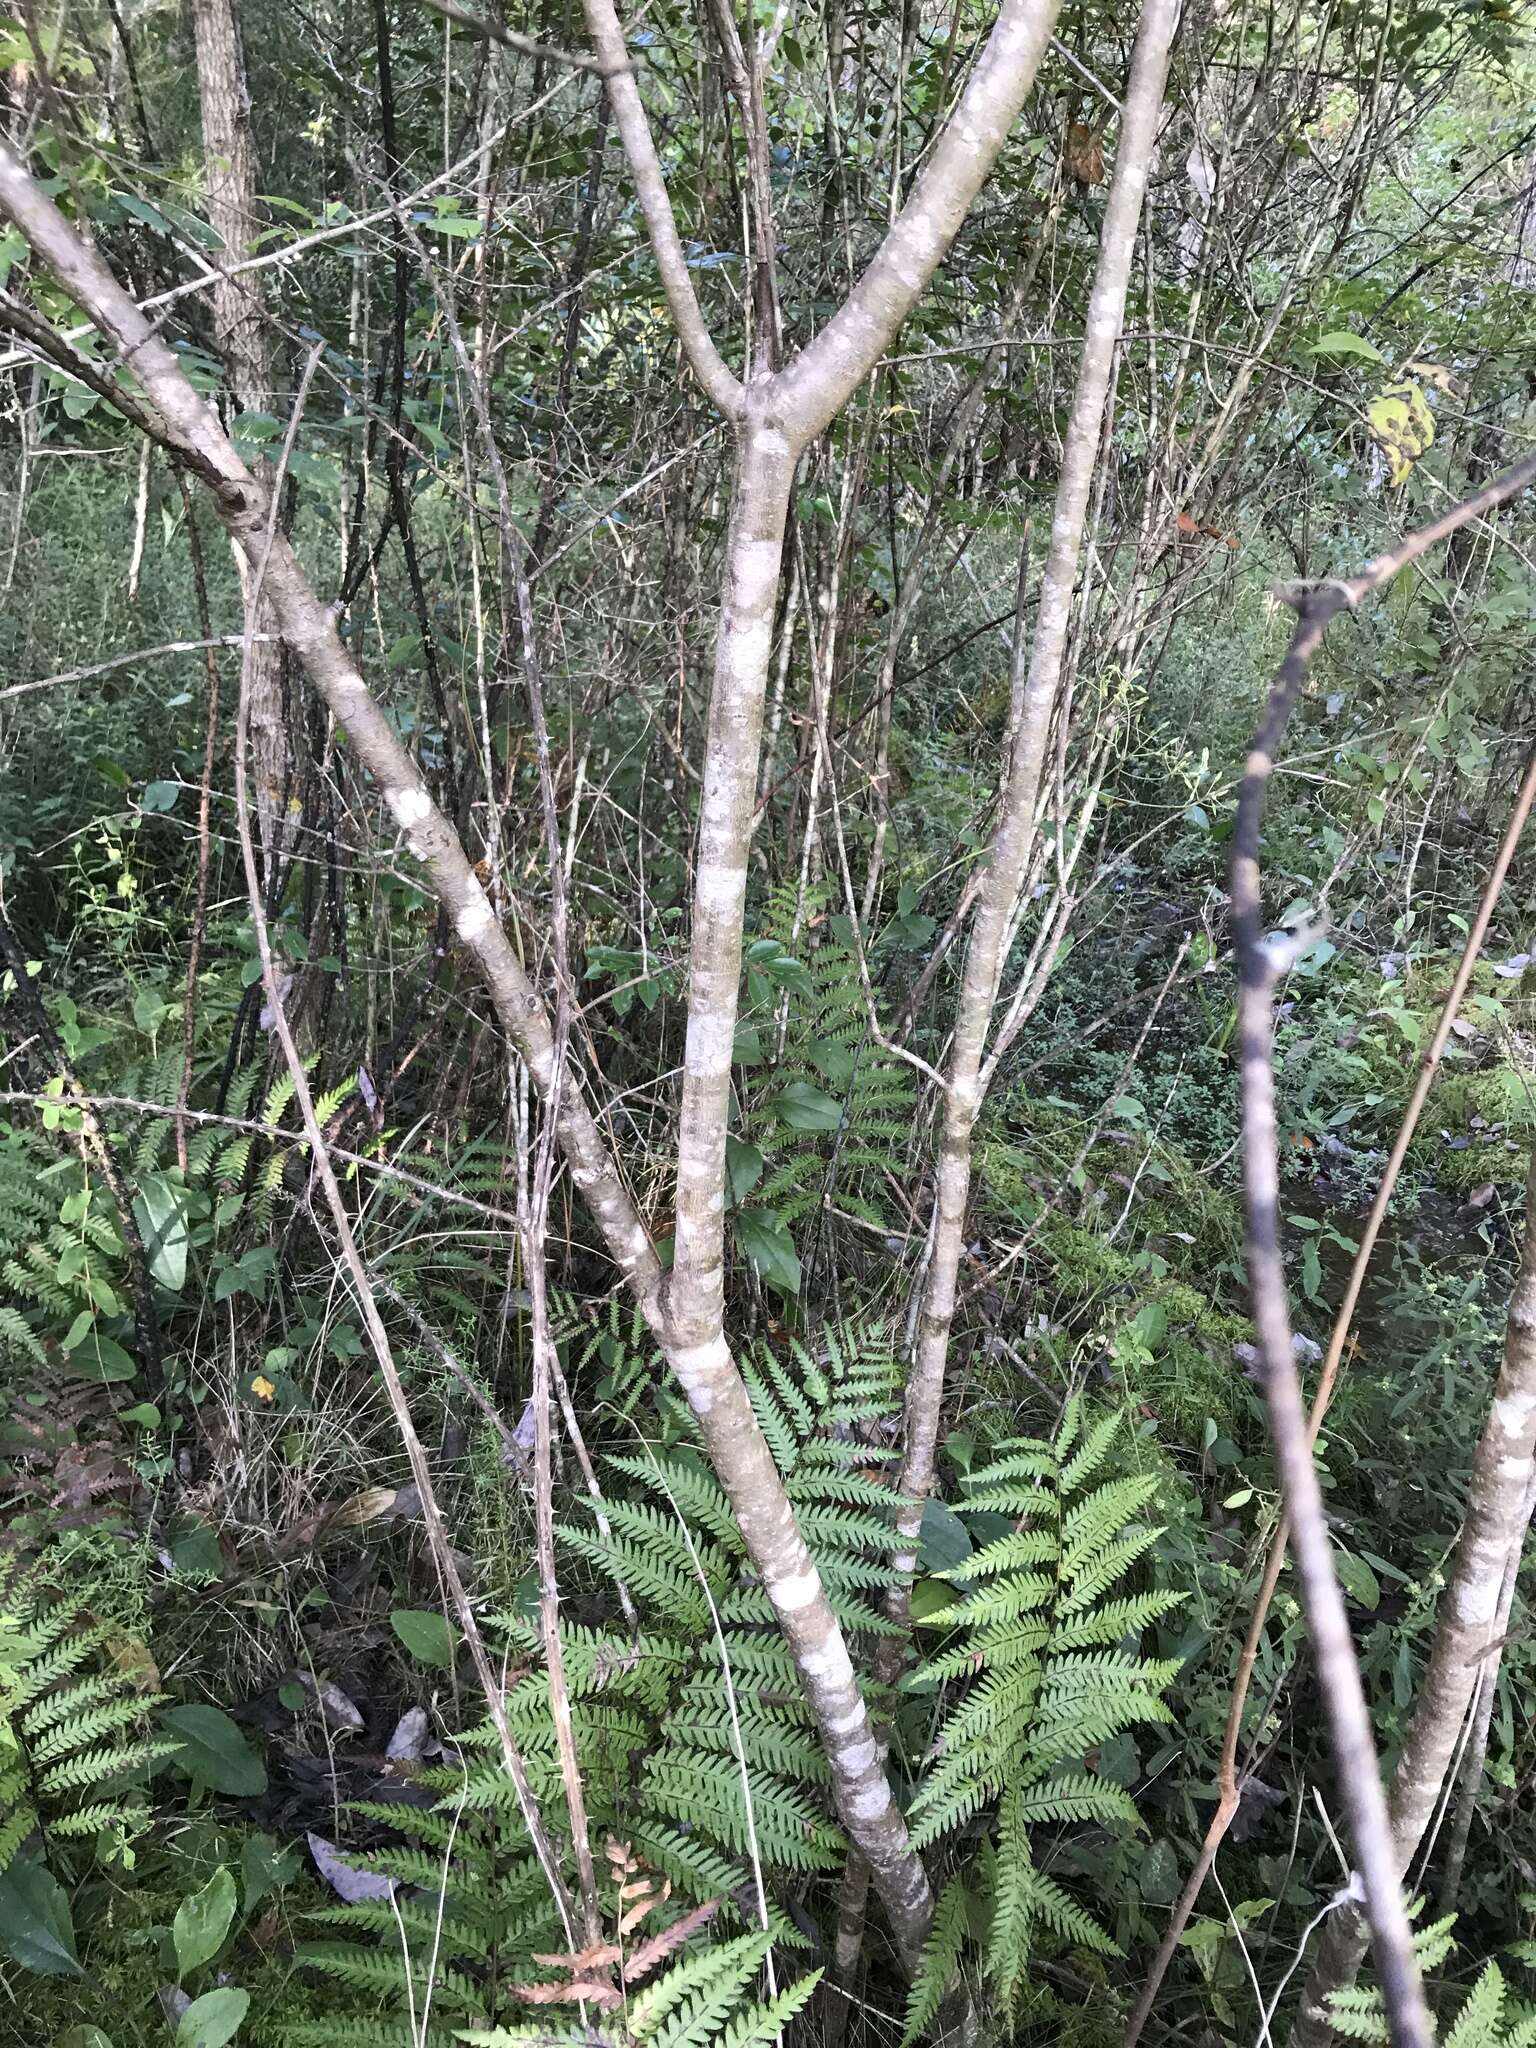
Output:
x=131 y=1656
x=1402 y=426
x=262 y=1387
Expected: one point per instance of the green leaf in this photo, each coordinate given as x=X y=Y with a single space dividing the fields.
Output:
x=743 y=1169
x=84 y=2036
x=764 y=1236
x=213 y=2019
x=79 y=1329
x=426 y=1636
x=160 y=796
x=805 y=1108
x=747 y=1046
x=265 y=1866
x=945 y=1541
x=1358 y=1580
x=35 y=1926
x=202 y=1922
x=160 y=1210
x=318 y=470
x=256 y=426
x=214 y=1751
x=101 y=1359
x=1340 y=342
x=195 y=1550
x=149 y=1010
x=1158 y=1875
x=930 y=1597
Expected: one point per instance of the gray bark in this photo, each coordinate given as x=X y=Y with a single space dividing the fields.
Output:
x=239 y=327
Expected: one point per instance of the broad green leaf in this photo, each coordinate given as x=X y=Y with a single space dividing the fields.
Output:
x=213 y=2019
x=764 y=1236
x=945 y=1541
x=265 y=1866
x=160 y=1210
x=1158 y=1875
x=747 y=1046
x=805 y=1108
x=1342 y=343
x=149 y=1010
x=202 y=1922
x=930 y=1597
x=425 y=1635
x=214 y=1751
x=99 y=1358
x=743 y=1168
x=35 y=1925
x=1358 y=1580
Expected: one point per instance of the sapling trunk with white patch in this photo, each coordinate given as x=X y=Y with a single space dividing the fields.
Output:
x=1468 y=1624
x=1037 y=677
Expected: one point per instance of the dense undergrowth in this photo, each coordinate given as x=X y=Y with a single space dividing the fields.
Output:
x=248 y=1789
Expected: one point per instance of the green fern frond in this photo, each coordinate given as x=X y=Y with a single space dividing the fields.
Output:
x=696 y=1494
x=941 y=1959
x=787 y=1828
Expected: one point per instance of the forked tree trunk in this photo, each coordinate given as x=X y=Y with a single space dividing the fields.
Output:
x=1012 y=839
x=775 y=417
x=1466 y=1627
x=240 y=332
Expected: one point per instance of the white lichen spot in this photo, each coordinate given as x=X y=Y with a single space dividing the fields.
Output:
x=475 y=919
x=832 y=1664
x=858 y=1757
x=800 y=1589
x=694 y=1363
x=722 y=890
x=1512 y=1412
x=408 y=806
x=755 y=564
x=870 y=1802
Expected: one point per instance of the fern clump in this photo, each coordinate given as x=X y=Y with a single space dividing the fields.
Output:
x=1039 y=1670
x=1488 y=2016
x=698 y=1755
x=72 y=1741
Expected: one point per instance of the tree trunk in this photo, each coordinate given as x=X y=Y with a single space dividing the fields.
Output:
x=1009 y=851
x=1476 y=1758
x=1467 y=1624
x=240 y=332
